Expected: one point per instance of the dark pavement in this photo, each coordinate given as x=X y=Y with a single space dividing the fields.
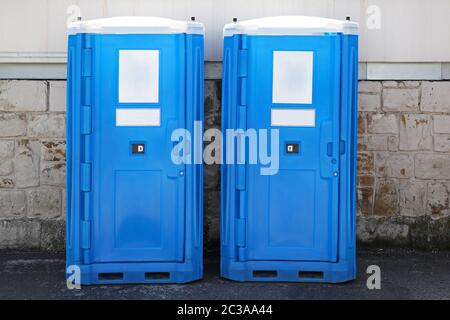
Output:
x=405 y=274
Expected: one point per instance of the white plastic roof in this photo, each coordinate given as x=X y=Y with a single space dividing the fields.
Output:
x=290 y=25
x=135 y=24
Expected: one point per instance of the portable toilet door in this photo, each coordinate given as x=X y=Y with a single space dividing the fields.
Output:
x=133 y=214
x=295 y=222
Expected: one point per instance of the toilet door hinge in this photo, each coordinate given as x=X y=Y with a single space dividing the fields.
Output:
x=86 y=120
x=85 y=234
x=341 y=147
x=87 y=83
x=86 y=73
x=243 y=63
x=87 y=63
x=243 y=79
x=240 y=232
x=241 y=155
x=244 y=42
x=85 y=177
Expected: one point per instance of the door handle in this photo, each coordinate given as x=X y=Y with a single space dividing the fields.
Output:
x=330 y=149
x=326 y=149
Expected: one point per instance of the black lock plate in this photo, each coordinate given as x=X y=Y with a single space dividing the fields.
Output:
x=138 y=148
x=292 y=148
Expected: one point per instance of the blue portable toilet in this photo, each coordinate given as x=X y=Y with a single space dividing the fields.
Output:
x=133 y=215
x=297 y=75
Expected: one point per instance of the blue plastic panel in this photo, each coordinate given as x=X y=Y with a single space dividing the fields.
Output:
x=140 y=197
x=131 y=211
x=298 y=224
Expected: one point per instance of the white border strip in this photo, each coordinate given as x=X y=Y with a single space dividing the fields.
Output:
x=404 y=71
x=293 y=117
x=138 y=117
x=55 y=68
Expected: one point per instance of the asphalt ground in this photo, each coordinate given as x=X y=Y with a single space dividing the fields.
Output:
x=405 y=274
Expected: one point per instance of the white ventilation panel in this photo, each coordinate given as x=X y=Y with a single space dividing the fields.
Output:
x=293 y=117
x=138 y=76
x=292 y=77
x=138 y=117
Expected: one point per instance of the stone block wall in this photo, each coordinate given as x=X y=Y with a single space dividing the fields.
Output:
x=403 y=182
x=32 y=164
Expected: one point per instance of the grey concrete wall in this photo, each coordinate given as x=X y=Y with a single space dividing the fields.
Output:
x=403 y=164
